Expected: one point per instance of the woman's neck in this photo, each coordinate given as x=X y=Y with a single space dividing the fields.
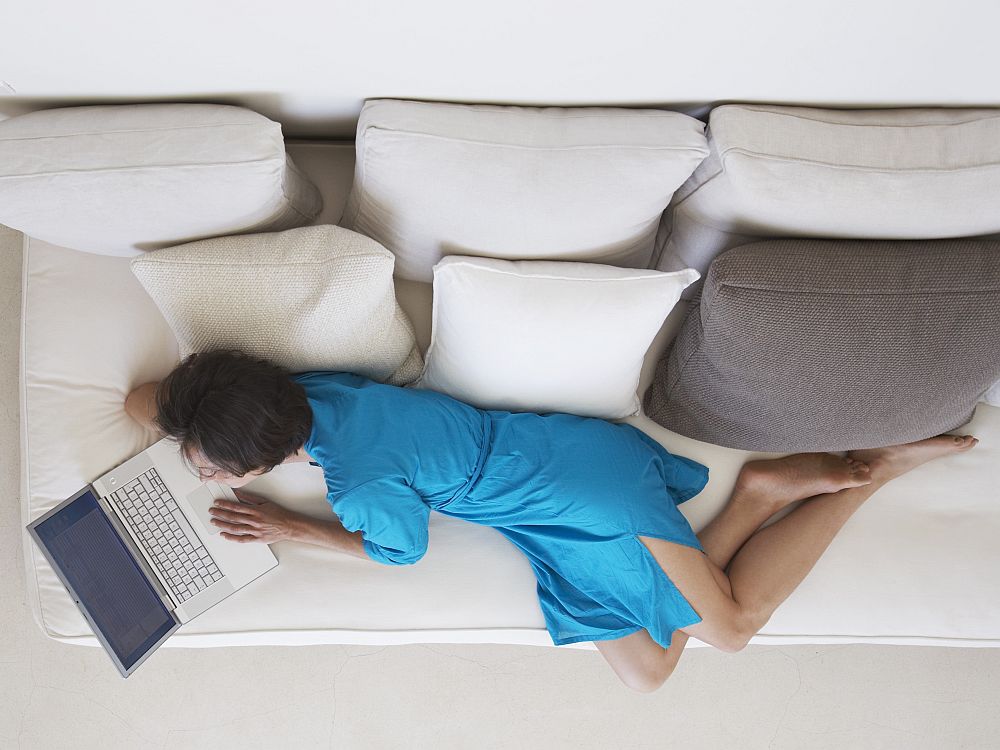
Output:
x=298 y=457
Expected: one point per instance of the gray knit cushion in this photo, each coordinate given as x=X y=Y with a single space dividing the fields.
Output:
x=814 y=345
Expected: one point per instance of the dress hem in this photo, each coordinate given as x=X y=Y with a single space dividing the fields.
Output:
x=613 y=635
x=675 y=540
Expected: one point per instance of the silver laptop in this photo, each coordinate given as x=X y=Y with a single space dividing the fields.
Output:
x=138 y=554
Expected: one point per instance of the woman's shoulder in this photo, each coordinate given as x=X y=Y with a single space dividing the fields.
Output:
x=325 y=383
x=355 y=397
x=320 y=377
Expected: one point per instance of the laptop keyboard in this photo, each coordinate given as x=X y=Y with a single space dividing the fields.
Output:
x=165 y=534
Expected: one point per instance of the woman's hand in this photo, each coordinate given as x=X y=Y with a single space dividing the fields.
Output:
x=258 y=520
x=254 y=519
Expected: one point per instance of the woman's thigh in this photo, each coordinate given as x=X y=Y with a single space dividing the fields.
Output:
x=707 y=589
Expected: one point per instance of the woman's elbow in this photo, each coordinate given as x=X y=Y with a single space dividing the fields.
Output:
x=392 y=556
x=140 y=404
x=411 y=558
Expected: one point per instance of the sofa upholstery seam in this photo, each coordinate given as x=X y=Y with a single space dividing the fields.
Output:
x=703 y=150
x=876 y=109
x=851 y=167
x=644 y=112
x=136 y=168
x=132 y=130
x=25 y=447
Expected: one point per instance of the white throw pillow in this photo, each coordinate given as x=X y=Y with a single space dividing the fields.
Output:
x=585 y=183
x=315 y=298
x=122 y=179
x=545 y=336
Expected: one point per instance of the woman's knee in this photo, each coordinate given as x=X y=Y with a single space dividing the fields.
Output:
x=640 y=663
x=647 y=677
x=645 y=684
x=737 y=635
x=734 y=641
x=729 y=634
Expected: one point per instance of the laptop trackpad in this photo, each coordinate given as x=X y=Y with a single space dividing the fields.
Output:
x=201 y=500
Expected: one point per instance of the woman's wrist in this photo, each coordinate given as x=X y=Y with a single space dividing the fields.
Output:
x=329 y=534
x=301 y=528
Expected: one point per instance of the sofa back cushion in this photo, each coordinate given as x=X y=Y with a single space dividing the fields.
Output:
x=314 y=298
x=118 y=180
x=876 y=174
x=517 y=182
x=810 y=345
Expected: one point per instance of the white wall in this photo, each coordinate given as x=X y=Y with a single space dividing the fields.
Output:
x=310 y=63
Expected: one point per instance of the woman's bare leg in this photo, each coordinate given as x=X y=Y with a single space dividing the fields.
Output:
x=765 y=487
x=734 y=607
x=762 y=489
x=775 y=560
x=772 y=563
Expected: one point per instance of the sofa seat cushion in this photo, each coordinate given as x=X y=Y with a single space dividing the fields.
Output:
x=527 y=183
x=122 y=179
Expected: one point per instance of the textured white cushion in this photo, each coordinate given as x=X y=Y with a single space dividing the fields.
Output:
x=517 y=182
x=314 y=298
x=118 y=180
x=545 y=335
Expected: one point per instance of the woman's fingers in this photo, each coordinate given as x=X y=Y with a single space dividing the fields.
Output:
x=233 y=515
x=254 y=519
x=247 y=497
x=229 y=505
x=242 y=538
x=238 y=528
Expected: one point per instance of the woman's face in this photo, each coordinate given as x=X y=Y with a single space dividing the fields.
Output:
x=207 y=472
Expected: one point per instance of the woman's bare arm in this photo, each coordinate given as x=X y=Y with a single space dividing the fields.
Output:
x=255 y=519
x=330 y=534
x=140 y=404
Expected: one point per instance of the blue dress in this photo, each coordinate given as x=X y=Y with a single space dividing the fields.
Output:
x=571 y=493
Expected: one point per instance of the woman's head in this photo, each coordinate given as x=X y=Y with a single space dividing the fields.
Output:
x=235 y=416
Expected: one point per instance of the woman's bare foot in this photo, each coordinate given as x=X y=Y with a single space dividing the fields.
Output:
x=784 y=480
x=895 y=460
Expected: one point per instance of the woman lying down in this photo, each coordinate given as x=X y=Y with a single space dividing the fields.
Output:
x=592 y=504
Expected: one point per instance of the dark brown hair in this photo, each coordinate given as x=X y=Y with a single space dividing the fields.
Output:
x=241 y=413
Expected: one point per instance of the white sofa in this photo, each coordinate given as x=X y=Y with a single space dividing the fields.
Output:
x=919 y=564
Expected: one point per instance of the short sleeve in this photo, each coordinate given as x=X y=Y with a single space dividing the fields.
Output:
x=391 y=516
x=684 y=477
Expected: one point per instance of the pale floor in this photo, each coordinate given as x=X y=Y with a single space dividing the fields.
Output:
x=58 y=696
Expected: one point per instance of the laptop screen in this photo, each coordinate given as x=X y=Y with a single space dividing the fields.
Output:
x=107 y=581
